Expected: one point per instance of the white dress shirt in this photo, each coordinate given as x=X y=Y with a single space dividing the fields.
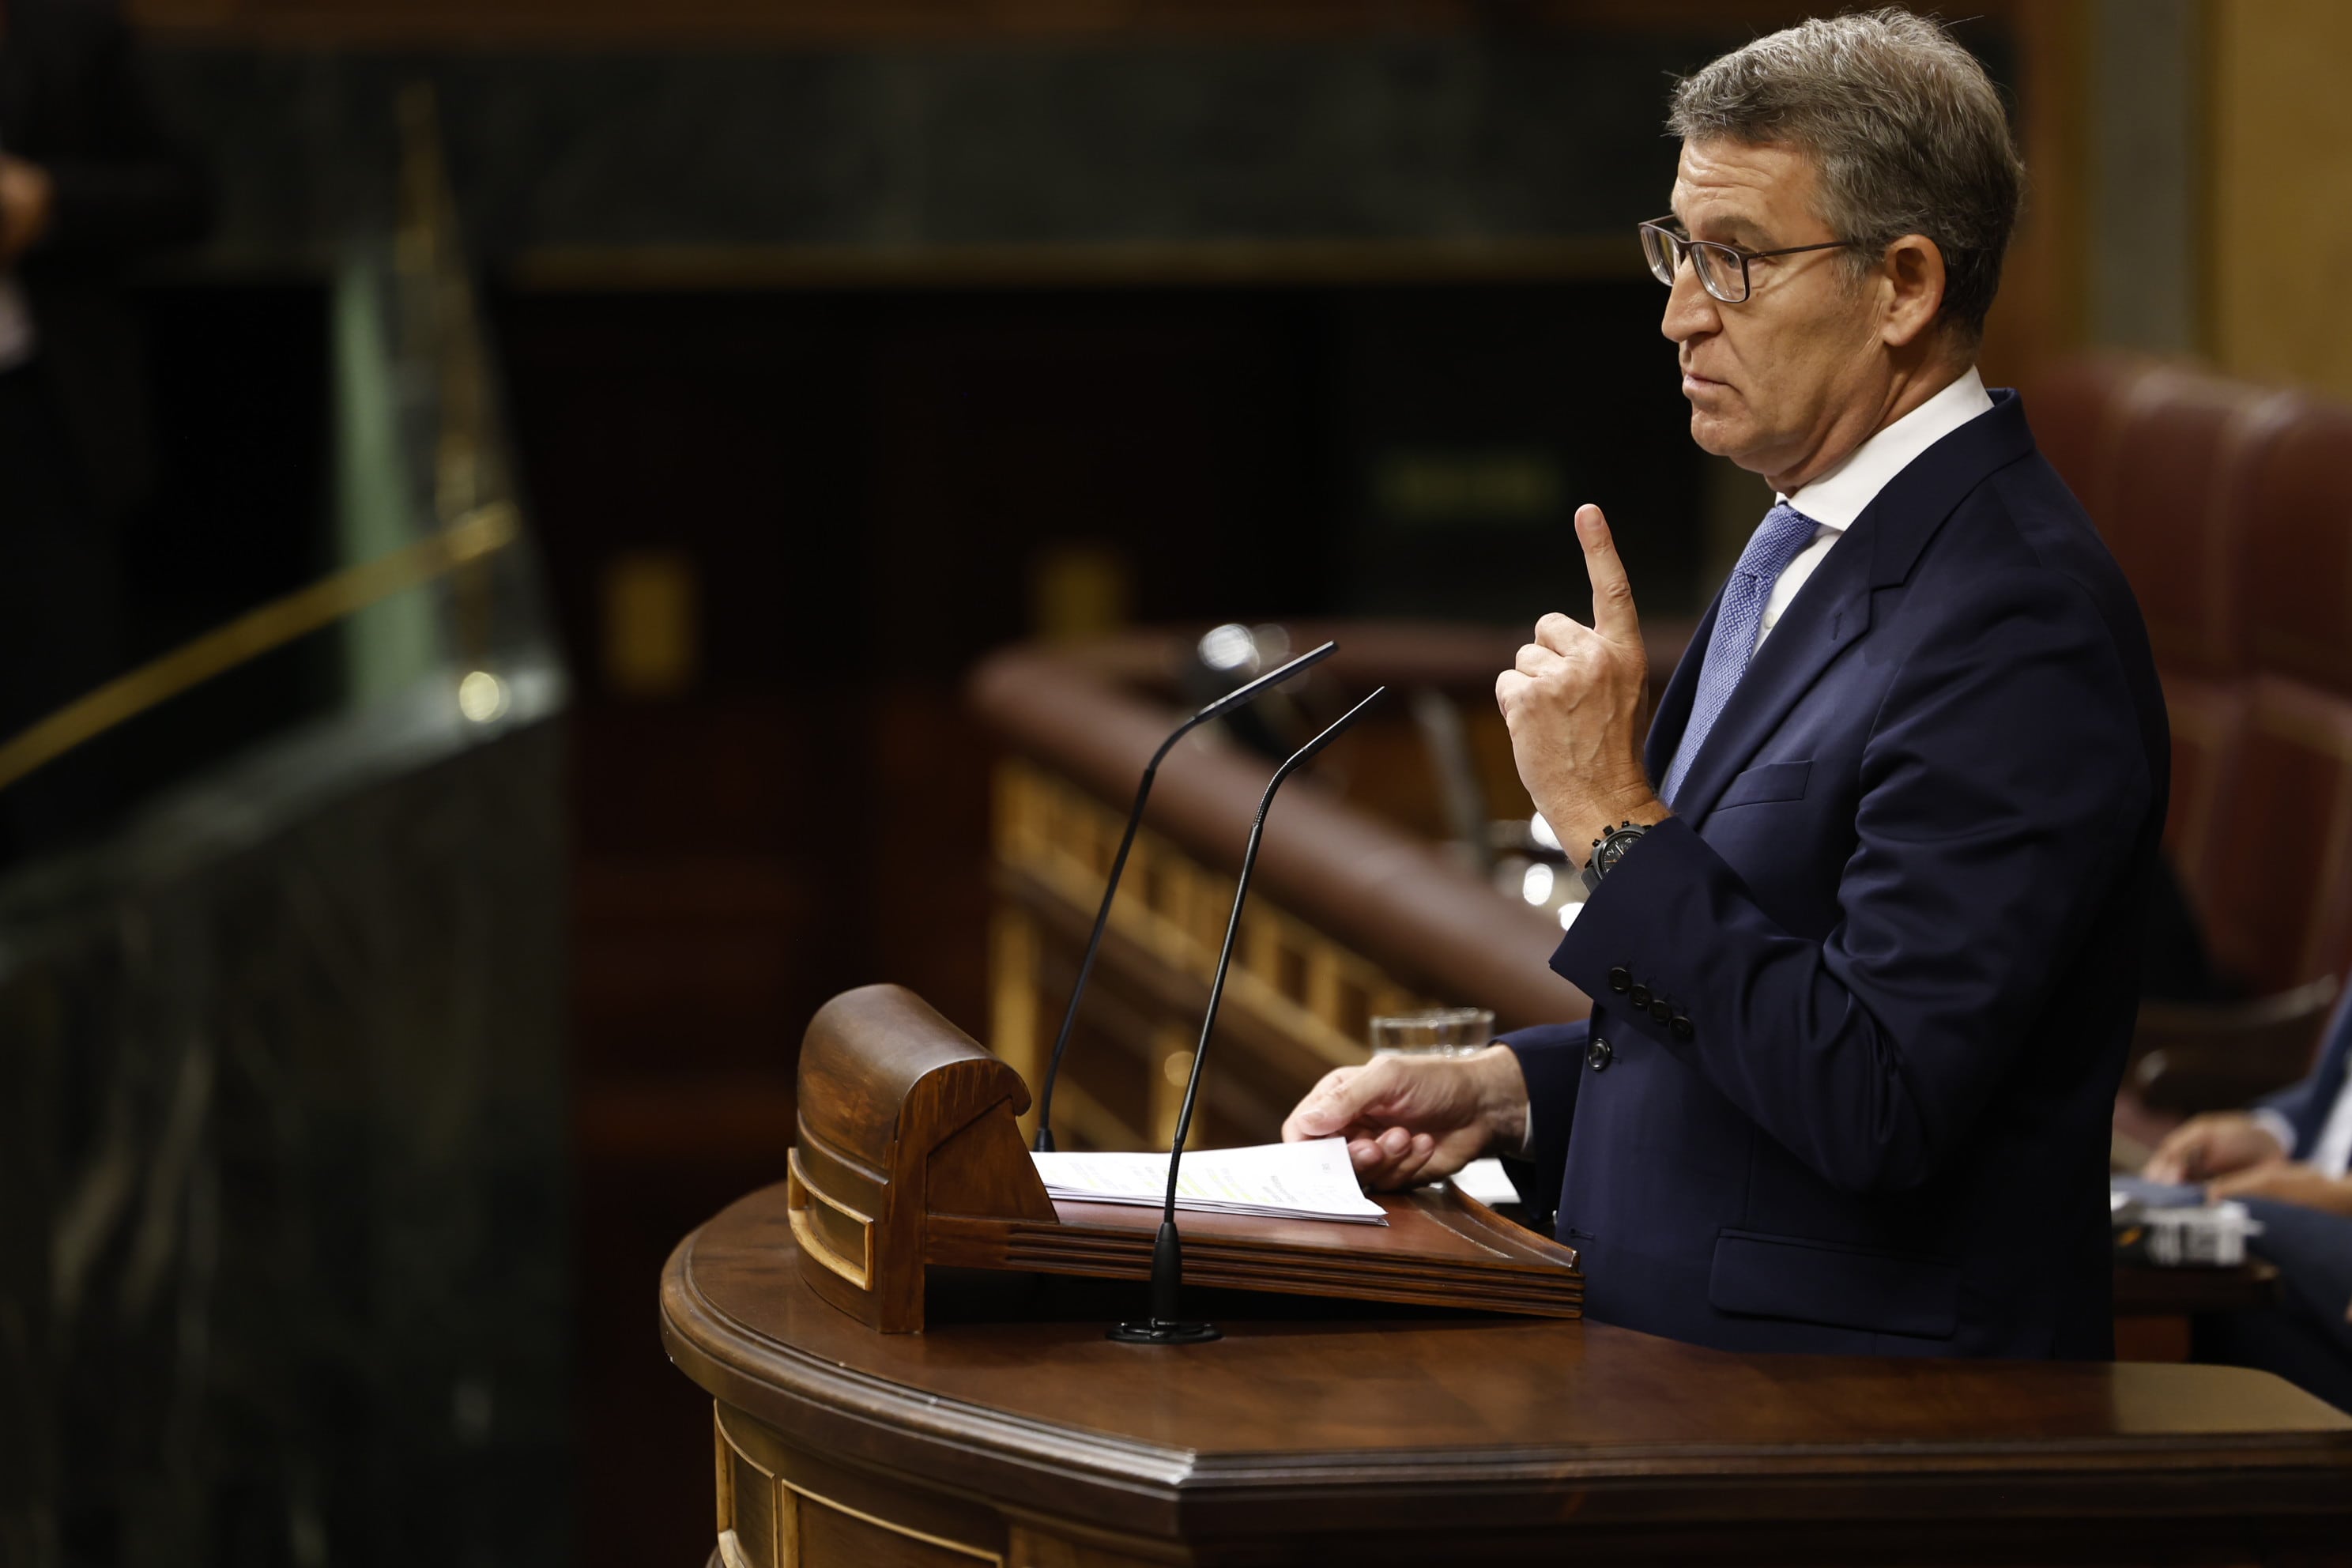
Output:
x=1835 y=498
x=2332 y=1155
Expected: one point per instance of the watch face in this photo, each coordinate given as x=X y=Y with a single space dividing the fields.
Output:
x=1612 y=850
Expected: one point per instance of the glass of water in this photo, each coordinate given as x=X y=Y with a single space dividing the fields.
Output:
x=1439 y=1032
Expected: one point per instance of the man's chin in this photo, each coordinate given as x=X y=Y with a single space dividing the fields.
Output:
x=1713 y=433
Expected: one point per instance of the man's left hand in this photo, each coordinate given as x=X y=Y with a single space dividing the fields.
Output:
x=1573 y=701
x=2287 y=1183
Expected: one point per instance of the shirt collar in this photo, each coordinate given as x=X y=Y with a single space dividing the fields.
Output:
x=1838 y=497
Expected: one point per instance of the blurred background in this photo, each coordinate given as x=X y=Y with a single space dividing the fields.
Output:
x=513 y=492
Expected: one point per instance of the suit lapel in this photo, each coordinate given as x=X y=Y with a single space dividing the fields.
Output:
x=1833 y=609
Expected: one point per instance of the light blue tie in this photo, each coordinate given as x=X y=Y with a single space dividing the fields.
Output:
x=1778 y=538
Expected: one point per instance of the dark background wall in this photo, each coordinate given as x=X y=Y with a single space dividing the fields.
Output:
x=876 y=343
x=1379 y=134
x=868 y=482
x=865 y=490
x=285 y=1264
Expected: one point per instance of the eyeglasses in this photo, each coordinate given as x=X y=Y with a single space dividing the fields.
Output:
x=1722 y=269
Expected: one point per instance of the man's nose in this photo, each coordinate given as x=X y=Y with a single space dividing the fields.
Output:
x=1691 y=310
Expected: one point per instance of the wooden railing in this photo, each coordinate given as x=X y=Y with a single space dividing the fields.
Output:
x=1306 y=999
x=1350 y=915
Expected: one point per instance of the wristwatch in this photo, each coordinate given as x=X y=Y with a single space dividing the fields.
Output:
x=1607 y=850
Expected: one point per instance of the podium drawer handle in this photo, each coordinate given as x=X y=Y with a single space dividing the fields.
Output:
x=809 y=1232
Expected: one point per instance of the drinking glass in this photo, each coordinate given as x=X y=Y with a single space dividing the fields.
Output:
x=1439 y=1032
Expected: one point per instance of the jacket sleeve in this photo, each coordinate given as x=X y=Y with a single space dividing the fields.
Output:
x=1551 y=1059
x=2005 y=789
x=2291 y=1105
x=125 y=188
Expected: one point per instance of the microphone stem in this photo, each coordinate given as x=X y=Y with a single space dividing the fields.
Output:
x=1093 y=943
x=1225 y=955
x=1216 y=995
x=1236 y=697
x=1167 y=1273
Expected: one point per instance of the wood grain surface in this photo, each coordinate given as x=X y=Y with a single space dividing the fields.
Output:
x=1310 y=1427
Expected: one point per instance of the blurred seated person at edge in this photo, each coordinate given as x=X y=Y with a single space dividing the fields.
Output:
x=2287 y=1160
x=87 y=183
x=1864 y=982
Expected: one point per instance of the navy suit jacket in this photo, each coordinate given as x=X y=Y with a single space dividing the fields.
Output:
x=1866 y=996
x=2306 y=1105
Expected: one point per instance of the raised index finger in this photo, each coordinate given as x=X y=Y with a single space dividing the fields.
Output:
x=1613 y=596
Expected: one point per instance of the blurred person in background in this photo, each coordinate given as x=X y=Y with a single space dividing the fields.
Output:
x=89 y=183
x=2289 y=1160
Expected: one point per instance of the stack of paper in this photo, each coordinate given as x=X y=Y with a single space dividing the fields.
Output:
x=1279 y=1180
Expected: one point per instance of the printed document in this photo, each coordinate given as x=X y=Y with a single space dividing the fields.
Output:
x=1279 y=1180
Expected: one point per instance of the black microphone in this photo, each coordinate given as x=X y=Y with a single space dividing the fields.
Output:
x=1226 y=704
x=1164 y=1327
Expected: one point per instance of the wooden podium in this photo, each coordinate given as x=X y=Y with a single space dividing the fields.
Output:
x=1376 y=1430
x=907 y=1159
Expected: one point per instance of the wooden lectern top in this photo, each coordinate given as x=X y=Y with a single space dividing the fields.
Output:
x=1390 y=1433
x=907 y=1158
x=1012 y=1431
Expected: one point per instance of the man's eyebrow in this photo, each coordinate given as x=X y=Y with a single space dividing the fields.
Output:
x=1732 y=230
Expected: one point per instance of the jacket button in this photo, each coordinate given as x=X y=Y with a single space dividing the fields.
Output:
x=1640 y=997
x=1681 y=1026
x=1620 y=978
x=1662 y=1010
x=1599 y=1054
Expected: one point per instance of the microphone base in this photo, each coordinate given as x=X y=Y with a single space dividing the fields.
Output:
x=1160 y=1331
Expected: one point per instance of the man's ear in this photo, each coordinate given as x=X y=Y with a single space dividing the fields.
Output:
x=1913 y=269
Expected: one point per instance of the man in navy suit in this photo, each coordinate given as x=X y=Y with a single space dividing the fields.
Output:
x=1863 y=934
x=2286 y=1161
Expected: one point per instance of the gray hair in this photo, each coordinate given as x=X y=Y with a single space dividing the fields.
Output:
x=1907 y=132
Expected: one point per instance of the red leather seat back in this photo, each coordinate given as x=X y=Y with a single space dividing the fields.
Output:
x=2076 y=411
x=2274 y=877
x=2209 y=722
x=2175 y=518
x=2228 y=506
x=2296 y=588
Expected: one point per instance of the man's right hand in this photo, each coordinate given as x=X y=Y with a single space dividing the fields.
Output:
x=2213 y=1144
x=1409 y=1120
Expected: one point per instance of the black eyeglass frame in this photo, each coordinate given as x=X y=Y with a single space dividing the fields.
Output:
x=1679 y=246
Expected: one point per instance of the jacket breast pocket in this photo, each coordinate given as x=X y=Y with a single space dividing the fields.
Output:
x=1828 y=1282
x=1765 y=783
